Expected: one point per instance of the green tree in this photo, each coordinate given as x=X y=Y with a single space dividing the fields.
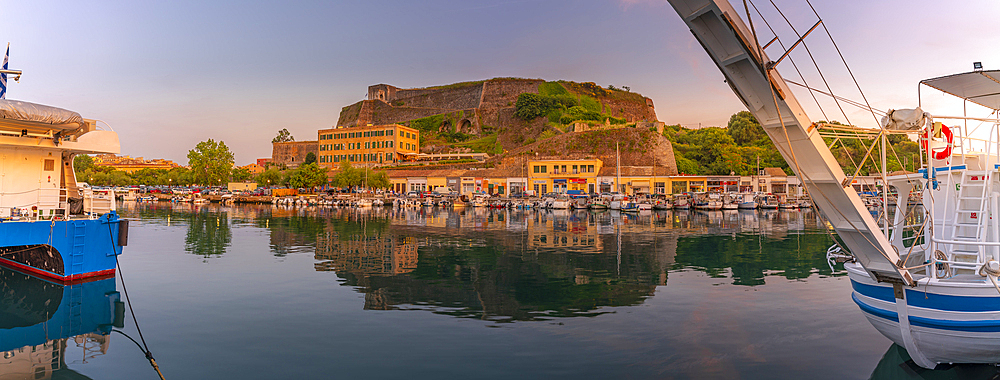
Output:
x=82 y=162
x=148 y=176
x=348 y=176
x=283 y=136
x=310 y=158
x=379 y=180
x=308 y=176
x=241 y=175
x=530 y=106
x=270 y=177
x=211 y=162
x=745 y=129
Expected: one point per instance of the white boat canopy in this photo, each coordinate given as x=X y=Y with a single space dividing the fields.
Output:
x=16 y=115
x=980 y=87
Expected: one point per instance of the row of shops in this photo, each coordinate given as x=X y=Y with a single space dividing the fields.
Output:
x=590 y=176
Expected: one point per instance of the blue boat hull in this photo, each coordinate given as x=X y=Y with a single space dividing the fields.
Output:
x=62 y=250
x=943 y=323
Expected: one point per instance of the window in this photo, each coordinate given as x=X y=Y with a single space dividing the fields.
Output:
x=536 y=170
x=590 y=168
x=678 y=187
x=564 y=168
x=50 y=165
x=545 y=168
x=575 y=171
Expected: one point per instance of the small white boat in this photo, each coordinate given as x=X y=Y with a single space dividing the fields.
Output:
x=561 y=203
x=747 y=201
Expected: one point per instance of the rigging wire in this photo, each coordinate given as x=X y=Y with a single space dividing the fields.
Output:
x=144 y=347
x=792 y=151
x=782 y=45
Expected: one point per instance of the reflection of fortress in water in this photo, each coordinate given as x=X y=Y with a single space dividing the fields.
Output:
x=40 y=321
x=360 y=255
x=522 y=264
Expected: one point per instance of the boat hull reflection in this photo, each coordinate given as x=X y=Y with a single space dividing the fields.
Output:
x=39 y=320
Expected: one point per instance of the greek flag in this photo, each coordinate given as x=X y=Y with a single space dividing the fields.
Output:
x=3 y=76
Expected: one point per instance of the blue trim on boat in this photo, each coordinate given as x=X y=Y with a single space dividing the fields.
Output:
x=930 y=300
x=942 y=169
x=877 y=292
x=988 y=325
x=947 y=324
x=884 y=314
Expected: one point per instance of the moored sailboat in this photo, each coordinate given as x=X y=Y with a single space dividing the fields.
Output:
x=926 y=278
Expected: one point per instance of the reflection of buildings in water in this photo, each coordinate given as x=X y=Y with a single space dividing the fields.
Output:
x=562 y=231
x=360 y=255
x=48 y=360
x=39 y=321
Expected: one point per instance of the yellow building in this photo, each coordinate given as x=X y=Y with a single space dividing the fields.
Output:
x=367 y=145
x=563 y=175
x=687 y=183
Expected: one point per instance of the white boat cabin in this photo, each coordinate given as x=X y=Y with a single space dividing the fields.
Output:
x=37 y=147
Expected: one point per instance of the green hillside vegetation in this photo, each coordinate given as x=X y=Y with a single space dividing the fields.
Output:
x=736 y=148
x=561 y=103
x=563 y=107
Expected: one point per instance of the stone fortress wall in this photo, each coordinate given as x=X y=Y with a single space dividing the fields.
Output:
x=488 y=103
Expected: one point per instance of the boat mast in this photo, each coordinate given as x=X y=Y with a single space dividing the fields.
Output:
x=618 y=168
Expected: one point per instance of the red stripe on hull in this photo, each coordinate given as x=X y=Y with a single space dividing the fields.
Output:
x=65 y=280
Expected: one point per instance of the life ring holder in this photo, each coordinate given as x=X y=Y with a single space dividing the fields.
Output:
x=948 y=136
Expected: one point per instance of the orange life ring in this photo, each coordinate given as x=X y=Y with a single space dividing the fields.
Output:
x=948 y=136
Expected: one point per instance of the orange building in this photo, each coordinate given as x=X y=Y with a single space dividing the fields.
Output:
x=130 y=165
x=370 y=145
x=253 y=168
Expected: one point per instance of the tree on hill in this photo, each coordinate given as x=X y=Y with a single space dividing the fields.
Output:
x=211 y=162
x=745 y=129
x=283 y=136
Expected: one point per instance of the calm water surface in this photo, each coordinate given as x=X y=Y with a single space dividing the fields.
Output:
x=261 y=292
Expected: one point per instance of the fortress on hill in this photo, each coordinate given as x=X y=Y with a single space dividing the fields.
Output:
x=477 y=107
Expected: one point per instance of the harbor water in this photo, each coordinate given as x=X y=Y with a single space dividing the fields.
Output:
x=268 y=292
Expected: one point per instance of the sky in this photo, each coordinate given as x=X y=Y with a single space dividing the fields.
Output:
x=167 y=75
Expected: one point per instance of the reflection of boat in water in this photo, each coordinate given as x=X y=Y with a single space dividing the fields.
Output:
x=40 y=320
x=896 y=364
